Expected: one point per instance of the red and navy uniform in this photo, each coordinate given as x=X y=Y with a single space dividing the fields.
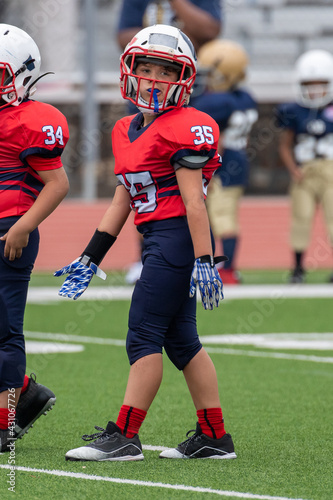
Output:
x=146 y=159
x=162 y=315
x=32 y=137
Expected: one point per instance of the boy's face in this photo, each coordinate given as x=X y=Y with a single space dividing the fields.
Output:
x=149 y=72
x=315 y=89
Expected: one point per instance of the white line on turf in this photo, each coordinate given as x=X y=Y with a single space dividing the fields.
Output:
x=32 y=347
x=273 y=292
x=277 y=355
x=73 y=338
x=149 y=484
x=217 y=350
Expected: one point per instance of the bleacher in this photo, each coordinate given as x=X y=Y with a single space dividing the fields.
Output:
x=275 y=33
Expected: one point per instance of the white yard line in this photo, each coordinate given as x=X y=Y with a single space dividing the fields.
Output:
x=149 y=484
x=216 y=350
x=274 y=292
x=276 y=355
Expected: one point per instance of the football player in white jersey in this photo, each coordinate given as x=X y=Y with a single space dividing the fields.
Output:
x=306 y=148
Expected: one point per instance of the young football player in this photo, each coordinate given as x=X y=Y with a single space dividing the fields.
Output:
x=306 y=148
x=200 y=20
x=165 y=156
x=32 y=184
x=234 y=109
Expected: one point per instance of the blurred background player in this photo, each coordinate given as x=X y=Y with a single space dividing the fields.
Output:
x=32 y=184
x=173 y=152
x=234 y=109
x=198 y=19
x=306 y=148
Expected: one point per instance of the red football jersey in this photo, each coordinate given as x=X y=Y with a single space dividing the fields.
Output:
x=32 y=137
x=145 y=158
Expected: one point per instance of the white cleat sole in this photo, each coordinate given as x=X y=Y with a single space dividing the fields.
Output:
x=91 y=454
x=174 y=453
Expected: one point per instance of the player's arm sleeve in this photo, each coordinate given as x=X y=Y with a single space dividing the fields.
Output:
x=192 y=158
x=43 y=163
x=46 y=139
x=191 y=161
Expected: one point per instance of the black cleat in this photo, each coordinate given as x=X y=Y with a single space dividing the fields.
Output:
x=7 y=439
x=110 y=444
x=36 y=400
x=201 y=446
x=297 y=275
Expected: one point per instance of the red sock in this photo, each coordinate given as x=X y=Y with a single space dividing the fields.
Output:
x=130 y=420
x=25 y=384
x=211 y=422
x=6 y=417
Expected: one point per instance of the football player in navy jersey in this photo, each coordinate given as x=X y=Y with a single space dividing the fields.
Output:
x=234 y=109
x=165 y=156
x=32 y=184
x=306 y=148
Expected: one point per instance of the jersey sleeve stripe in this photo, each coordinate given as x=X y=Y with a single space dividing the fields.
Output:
x=191 y=152
x=44 y=152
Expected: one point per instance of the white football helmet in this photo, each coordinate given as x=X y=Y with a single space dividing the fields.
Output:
x=19 y=65
x=159 y=44
x=314 y=66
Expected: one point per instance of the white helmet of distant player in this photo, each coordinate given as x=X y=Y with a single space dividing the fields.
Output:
x=224 y=62
x=314 y=66
x=165 y=45
x=19 y=65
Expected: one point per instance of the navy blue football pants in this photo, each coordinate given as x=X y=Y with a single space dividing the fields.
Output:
x=14 y=281
x=162 y=315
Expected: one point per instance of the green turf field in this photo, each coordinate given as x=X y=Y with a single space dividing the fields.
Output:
x=278 y=410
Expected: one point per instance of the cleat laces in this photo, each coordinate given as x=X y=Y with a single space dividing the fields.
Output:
x=189 y=440
x=97 y=435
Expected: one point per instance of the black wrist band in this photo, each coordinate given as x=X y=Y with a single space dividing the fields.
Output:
x=98 y=246
x=209 y=259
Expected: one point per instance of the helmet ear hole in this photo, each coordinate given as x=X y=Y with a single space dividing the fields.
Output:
x=26 y=81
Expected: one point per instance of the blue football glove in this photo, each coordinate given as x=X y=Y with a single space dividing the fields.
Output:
x=206 y=276
x=79 y=278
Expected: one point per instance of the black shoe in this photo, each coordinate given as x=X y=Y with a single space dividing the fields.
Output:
x=201 y=446
x=297 y=275
x=109 y=444
x=36 y=400
x=7 y=439
x=330 y=279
